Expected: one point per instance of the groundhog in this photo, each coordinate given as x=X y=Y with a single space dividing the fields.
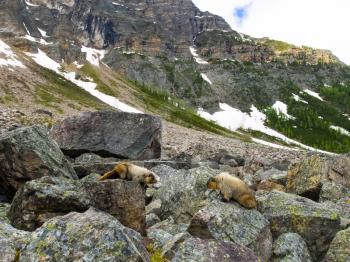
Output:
x=233 y=188
x=132 y=172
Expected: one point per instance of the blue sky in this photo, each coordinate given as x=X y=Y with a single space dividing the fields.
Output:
x=316 y=23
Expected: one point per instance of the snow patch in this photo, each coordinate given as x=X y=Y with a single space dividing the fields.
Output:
x=314 y=94
x=341 y=130
x=94 y=56
x=10 y=59
x=42 y=59
x=298 y=99
x=206 y=78
x=232 y=118
x=281 y=108
x=196 y=56
x=30 y=4
x=42 y=32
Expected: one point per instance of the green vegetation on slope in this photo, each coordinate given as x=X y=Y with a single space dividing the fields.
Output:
x=338 y=95
x=311 y=123
x=58 y=87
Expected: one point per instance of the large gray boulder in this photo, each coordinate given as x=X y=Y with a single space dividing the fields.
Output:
x=290 y=247
x=231 y=222
x=110 y=133
x=183 y=193
x=314 y=222
x=339 y=171
x=47 y=197
x=28 y=153
x=90 y=236
x=306 y=178
x=339 y=250
x=195 y=249
x=333 y=192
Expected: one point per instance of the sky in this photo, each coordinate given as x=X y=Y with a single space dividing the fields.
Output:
x=316 y=23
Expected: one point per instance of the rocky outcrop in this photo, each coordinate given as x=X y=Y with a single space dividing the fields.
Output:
x=109 y=133
x=231 y=222
x=183 y=194
x=314 y=222
x=339 y=249
x=194 y=249
x=89 y=236
x=28 y=153
x=305 y=178
x=48 y=197
x=290 y=247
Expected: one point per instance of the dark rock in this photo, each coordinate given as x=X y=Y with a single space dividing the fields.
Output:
x=110 y=134
x=194 y=249
x=290 y=247
x=90 y=236
x=231 y=222
x=288 y=213
x=41 y=199
x=29 y=153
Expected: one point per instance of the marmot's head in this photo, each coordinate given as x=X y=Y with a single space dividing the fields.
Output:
x=213 y=183
x=151 y=178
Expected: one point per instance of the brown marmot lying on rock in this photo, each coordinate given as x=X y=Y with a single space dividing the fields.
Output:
x=132 y=172
x=233 y=188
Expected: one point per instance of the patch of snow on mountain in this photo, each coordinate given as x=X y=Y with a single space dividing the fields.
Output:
x=94 y=56
x=42 y=59
x=42 y=32
x=196 y=56
x=7 y=57
x=30 y=4
x=206 y=78
x=232 y=118
x=341 y=130
x=281 y=108
x=314 y=94
x=297 y=98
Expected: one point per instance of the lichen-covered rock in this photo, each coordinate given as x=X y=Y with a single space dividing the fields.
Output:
x=231 y=222
x=195 y=249
x=333 y=192
x=110 y=133
x=182 y=195
x=90 y=236
x=305 y=178
x=170 y=248
x=3 y=212
x=11 y=242
x=47 y=197
x=151 y=219
x=339 y=171
x=290 y=247
x=269 y=186
x=28 y=153
x=339 y=250
x=154 y=207
x=314 y=222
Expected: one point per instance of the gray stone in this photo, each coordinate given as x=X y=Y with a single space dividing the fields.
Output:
x=339 y=250
x=182 y=195
x=170 y=248
x=90 y=236
x=288 y=213
x=339 y=171
x=3 y=212
x=194 y=249
x=333 y=192
x=47 y=197
x=290 y=247
x=231 y=222
x=154 y=207
x=110 y=133
x=28 y=153
x=151 y=219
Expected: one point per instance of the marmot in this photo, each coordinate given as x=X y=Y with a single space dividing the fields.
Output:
x=233 y=188
x=131 y=172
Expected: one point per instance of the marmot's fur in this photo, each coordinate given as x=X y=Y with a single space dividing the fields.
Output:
x=132 y=172
x=233 y=188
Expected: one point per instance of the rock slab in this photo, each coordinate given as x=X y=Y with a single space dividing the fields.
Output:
x=28 y=153
x=48 y=197
x=110 y=134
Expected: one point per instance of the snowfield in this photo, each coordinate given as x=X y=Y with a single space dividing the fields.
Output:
x=42 y=59
x=7 y=57
x=196 y=56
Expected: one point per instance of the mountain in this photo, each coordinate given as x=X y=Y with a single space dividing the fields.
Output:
x=171 y=59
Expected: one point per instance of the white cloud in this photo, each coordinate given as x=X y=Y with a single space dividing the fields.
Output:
x=316 y=23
